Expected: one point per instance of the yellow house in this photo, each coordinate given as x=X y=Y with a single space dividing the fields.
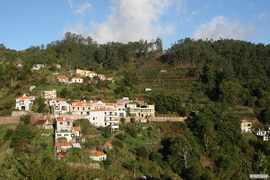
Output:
x=142 y=110
x=82 y=72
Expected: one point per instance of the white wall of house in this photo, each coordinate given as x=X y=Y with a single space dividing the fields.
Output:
x=76 y=80
x=104 y=118
x=24 y=104
x=68 y=135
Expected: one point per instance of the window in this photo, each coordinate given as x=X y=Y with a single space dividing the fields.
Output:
x=88 y=108
x=68 y=123
x=88 y=113
x=59 y=134
x=105 y=124
x=61 y=123
x=93 y=118
x=65 y=134
x=81 y=113
x=83 y=108
x=105 y=113
x=123 y=109
x=78 y=108
x=119 y=109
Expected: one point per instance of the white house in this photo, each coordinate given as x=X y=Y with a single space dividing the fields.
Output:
x=40 y=65
x=97 y=104
x=245 y=126
x=91 y=74
x=61 y=107
x=63 y=79
x=76 y=80
x=25 y=103
x=104 y=117
x=81 y=108
x=49 y=101
x=101 y=77
x=50 y=94
x=117 y=106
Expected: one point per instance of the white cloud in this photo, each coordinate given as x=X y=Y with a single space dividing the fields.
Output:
x=130 y=20
x=222 y=27
x=80 y=9
x=259 y=16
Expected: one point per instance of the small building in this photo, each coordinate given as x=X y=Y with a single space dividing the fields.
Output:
x=163 y=70
x=61 y=107
x=101 y=77
x=108 y=145
x=98 y=156
x=245 y=126
x=42 y=123
x=57 y=65
x=81 y=108
x=19 y=65
x=91 y=74
x=76 y=145
x=24 y=103
x=76 y=80
x=40 y=65
x=63 y=147
x=50 y=94
x=62 y=79
x=147 y=89
x=78 y=131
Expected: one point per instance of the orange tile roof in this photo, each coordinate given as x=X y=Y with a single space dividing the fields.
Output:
x=104 y=109
x=109 y=77
x=92 y=72
x=140 y=102
x=98 y=153
x=102 y=75
x=243 y=120
x=49 y=99
x=63 y=144
x=109 y=144
x=62 y=77
x=61 y=119
x=112 y=104
x=77 y=128
x=59 y=99
x=42 y=121
x=26 y=97
x=76 y=78
x=81 y=104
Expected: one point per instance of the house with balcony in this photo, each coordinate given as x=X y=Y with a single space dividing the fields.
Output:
x=65 y=129
x=76 y=80
x=104 y=117
x=62 y=79
x=117 y=106
x=50 y=94
x=245 y=126
x=81 y=108
x=25 y=103
x=142 y=110
x=62 y=107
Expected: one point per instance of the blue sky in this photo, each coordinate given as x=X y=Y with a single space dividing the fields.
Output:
x=33 y=23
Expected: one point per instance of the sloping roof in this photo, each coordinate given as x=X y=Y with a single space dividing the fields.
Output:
x=63 y=103
x=62 y=77
x=91 y=72
x=98 y=153
x=94 y=102
x=26 y=97
x=63 y=144
x=42 y=121
x=140 y=102
x=76 y=78
x=77 y=128
x=109 y=144
x=104 y=109
x=59 y=99
x=243 y=121
x=109 y=77
x=61 y=119
x=101 y=75
x=49 y=99
x=81 y=104
x=113 y=104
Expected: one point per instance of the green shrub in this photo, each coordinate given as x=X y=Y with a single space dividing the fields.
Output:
x=26 y=119
x=142 y=152
x=155 y=156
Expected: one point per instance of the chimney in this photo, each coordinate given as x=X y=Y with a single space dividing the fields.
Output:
x=64 y=118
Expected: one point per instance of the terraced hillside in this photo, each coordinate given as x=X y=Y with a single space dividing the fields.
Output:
x=175 y=79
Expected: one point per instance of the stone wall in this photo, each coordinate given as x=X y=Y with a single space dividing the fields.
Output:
x=7 y=120
x=86 y=165
x=173 y=119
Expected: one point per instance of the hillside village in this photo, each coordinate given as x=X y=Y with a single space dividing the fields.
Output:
x=134 y=114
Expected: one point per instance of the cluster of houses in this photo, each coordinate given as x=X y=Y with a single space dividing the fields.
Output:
x=246 y=128
x=97 y=112
x=67 y=136
x=82 y=73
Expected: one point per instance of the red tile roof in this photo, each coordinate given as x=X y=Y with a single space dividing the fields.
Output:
x=62 y=77
x=77 y=128
x=61 y=119
x=42 y=121
x=63 y=144
x=76 y=78
x=26 y=97
x=81 y=104
x=104 y=109
x=98 y=153
x=112 y=104
x=140 y=102
x=109 y=144
x=49 y=99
